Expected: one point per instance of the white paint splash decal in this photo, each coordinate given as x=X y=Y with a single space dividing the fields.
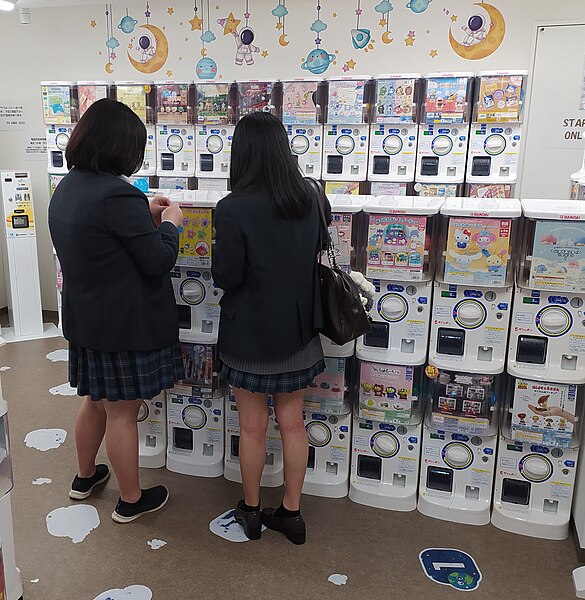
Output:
x=63 y=390
x=228 y=528
x=133 y=592
x=61 y=355
x=5 y=368
x=337 y=579
x=156 y=544
x=45 y=439
x=42 y=480
x=75 y=522
x=34 y=580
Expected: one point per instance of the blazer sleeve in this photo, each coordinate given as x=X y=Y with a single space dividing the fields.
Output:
x=128 y=218
x=229 y=254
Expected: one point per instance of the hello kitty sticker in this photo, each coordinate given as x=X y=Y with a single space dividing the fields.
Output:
x=478 y=251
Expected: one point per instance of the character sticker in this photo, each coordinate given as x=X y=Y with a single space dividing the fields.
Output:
x=56 y=104
x=395 y=101
x=327 y=392
x=346 y=102
x=195 y=238
x=212 y=104
x=299 y=102
x=446 y=98
x=172 y=102
x=500 y=99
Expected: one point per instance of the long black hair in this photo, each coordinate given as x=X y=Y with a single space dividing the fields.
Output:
x=262 y=158
x=109 y=137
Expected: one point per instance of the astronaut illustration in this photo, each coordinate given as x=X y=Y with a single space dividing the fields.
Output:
x=244 y=46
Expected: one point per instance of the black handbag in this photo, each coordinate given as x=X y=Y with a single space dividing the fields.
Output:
x=344 y=314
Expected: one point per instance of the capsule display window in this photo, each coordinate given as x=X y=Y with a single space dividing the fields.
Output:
x=174 y=102
x=447 y=98
x=257 y=96
x=60 y=102
x=396 y=98
x=89 y=92
x=348 y=101
x=303 y=101
x=139 y=96
x=214 y=103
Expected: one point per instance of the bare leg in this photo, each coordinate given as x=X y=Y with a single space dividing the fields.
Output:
x=253 y=413
x=90 y=428
x=289 y=414
x=122 y=446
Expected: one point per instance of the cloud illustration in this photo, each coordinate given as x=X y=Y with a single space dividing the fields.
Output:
x=318 y=26
x=384 y=7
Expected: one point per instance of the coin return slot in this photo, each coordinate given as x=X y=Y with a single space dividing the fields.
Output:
x=335 y=165
x=440 y=479
x=504 y=171
x=331 y=468
x=225 y=167
x=269 y=459
x=311 y=460
x=184 y=316
x=310 y=169
x=451 y=171
x=381 y=165
x=471 y=492
x=516 y=492
x=206 y=326
x=150 y=441
x=208 y=449
x=354 y=170
x=485 y=353
x=206 y=162
x=531 y=349
x=429 y=165
x=378 y=336
x=369 y=467
x=167 y=162
x=401 y=170
x=183 y=439
x=407 y=347
x=399 y=480
x=550 y=506
x=235 y=446
x=451 y=341
x=481 y=166
x=569 y=362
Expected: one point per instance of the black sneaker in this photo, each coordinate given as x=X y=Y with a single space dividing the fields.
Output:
x=82 y=487
x=152 y=499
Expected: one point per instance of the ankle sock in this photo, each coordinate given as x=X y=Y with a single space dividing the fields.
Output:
x=285 y=513
x=247 y=508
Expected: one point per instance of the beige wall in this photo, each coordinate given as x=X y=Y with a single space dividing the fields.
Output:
x=61 y=43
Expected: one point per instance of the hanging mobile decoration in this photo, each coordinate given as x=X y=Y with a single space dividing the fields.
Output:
x=206 y=67
x=360 y=37
x=281 y=11
x=128 y=23
x=111 y=42
x=244 y=46
x=318 y=60
x=384 y=8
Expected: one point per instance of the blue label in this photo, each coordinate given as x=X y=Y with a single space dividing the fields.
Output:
x=503 y=306
x=158 y=404
x=318 y=417
x=395 y=288
x=387 y=427
x=516 y=138
x=175 y=131
x=193 y=400
x=452 y=288
x=558 y=300
x=301 y=131
x=535 y=294
x=444 y=131
x=539 y=449
x=317 y=137
x=488 y=451
x=411 y=138
x=217 y=412
x=193 y=273
x=450 y=567
x=394 y=131
x=347 y=131
x=413 y=440
x=497 y=130
x=423 y=300
x=459 y=437
x=570 y=463
x=472 y=294
x=216 y=131
x=189 y=137
x=344 y=428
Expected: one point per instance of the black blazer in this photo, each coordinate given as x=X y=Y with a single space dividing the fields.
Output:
x=117 y=292
x=268 y=270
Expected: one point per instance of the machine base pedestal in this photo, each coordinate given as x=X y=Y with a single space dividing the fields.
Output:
x=480 y=516
x=382 y=499
x=523 y=526
x=176 y=465
x=324 y=490
x=49 y=331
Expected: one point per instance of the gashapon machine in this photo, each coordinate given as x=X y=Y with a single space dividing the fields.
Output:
x=302 y=116
x=175 y=130
x=140 y=96
x=394 y=129
x=496 y=133
x=327 y=417
x=386 y=437
x=547 y=338
x=578 y=183
x=60 y=114
x=273 y=475
x=459 y=446
x=346 y=131
x=444 y=132
x=537 y=460
x=473 y=284
x=152 y=432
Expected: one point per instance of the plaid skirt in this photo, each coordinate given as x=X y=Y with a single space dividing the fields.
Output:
x=125 y=375
x=280 y=383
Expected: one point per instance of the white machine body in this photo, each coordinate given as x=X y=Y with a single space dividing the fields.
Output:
x=57 y=139
x=345 y=152
x=148 y=168
x=306 y=144
x=534 y=489
x=195 y=434
x=456 y=476
x=175 y=150
x=329 y=454
x=392 y=152
x=273 y=475
x=385 y=463
x=442 y=151
x=214 y=148
x=152 y=432
x=469 y=328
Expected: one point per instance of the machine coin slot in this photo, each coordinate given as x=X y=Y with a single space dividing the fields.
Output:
x=167 y=162
x=440 y=479
x=451 y=341
x=516 y=492
x=369 y=467
x=184 y=316
x=531 y=350
x=381 y=165
x=183 y=439
x=378 y=337
x=430 y=166
x=235 y=446
x=481 y=166
x=335 y=165
x=206 y=162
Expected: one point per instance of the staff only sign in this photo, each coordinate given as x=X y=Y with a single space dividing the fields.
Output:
x=568 y=131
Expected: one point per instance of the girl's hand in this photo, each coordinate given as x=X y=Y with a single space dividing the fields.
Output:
x=157 y=206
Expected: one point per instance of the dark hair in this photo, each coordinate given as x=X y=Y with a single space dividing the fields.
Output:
x=109 y=137
x=262 y=158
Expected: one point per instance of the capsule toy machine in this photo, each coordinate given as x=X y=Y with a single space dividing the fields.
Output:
x=60 y=114
x=387 y=437
x=89 y=92
x=473 y=285
x=152 y=432
x=273 y=474
x=496 y=129
x=302 y=116
x=175 y=129
x=140 y=96
x=402 y=238
x=578 y=182
x=444 y=129
x=346 y=234
x=394 y=128
x=346 y=131
x=547 y=337
x=459 y=446
x=537 y=459
x=327 y=417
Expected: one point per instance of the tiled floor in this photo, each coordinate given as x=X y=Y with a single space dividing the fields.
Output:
x=378 y=550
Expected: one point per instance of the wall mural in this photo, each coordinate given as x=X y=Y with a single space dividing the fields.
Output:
x=147 y=45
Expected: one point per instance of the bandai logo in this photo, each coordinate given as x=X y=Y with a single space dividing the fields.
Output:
x=570 y=217
x=480 y=214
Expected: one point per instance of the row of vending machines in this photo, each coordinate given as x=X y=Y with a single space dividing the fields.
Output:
x=404 y=133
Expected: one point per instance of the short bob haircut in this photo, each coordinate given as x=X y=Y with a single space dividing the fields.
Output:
x=109 y=137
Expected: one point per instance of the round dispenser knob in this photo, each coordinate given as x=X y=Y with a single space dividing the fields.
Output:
x=345 y=144
x=457 y=455
x=392 y=145
x=318 y=433
x=192 y=292
x=554 y=320
x=536 y=467
x=470 y=314
x=175 y=143
x=495 y=144
x=384 y=444
x=214 y=144
x=299 y=144
x=143 y=412
x=442 y=145
x=194 y=417
x=392 y=307
x=61 y=141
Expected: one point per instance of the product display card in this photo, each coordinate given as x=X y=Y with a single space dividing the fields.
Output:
x=477 y=251
x=445 y=101
x=173 y=183
x=395 y=100
x=54 y=181
x=134 y=97
x=88 y=94
x=386 y=392
x=346 y=102
x=56 y=104
x=437 y=190
x=212 y=104
x=298 y=102
x=500 y=98
x=558 y=256
x=198 y=360
x=195 y=238
x=388 y=188
x=255 y=96
x=544 y=413
x=340 y=232
x=342 y=187
x=490 y=190
x=396 y=246
x=329 y=386
x=172 y=102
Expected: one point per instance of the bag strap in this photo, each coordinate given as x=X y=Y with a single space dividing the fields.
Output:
x=325 y=241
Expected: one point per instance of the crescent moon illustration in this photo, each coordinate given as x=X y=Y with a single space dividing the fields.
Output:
x=386 y=37
x=282 y=40
x=492 y=40
x=203 y=52
x=109 y=67
x=160 y=56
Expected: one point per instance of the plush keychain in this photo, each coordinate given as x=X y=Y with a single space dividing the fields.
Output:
x=366 y=289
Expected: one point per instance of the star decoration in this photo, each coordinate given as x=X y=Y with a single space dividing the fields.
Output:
x=180 y=58
x=383 y=22
x=180 y=23
x=246 y=15
x=453 y=18
x=345 y=68
x=92 y=23
x=170 y=10
x=113 y=56
x=334 y=15
x=221 y=76
x=409 y=41
x=279 y=26
x=433 y=53
x=147 y=14
x=169 y=72
x=358 y=11
x=231 y=24
x=196 y=23
x=317 y=40
x=351 y=63
x=428 y=31
x=129 y=46
x=411 y=34
x=264 y=53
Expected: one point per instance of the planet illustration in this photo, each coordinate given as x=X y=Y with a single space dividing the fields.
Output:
x=418 y=6
x=482 y=39
x=360 y=38
x=127 y=24
x=206 y=68
x=318 y=61
x=462 y=581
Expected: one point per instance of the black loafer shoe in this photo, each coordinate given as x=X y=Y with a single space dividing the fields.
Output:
x=251 y=521
x=293 y=527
